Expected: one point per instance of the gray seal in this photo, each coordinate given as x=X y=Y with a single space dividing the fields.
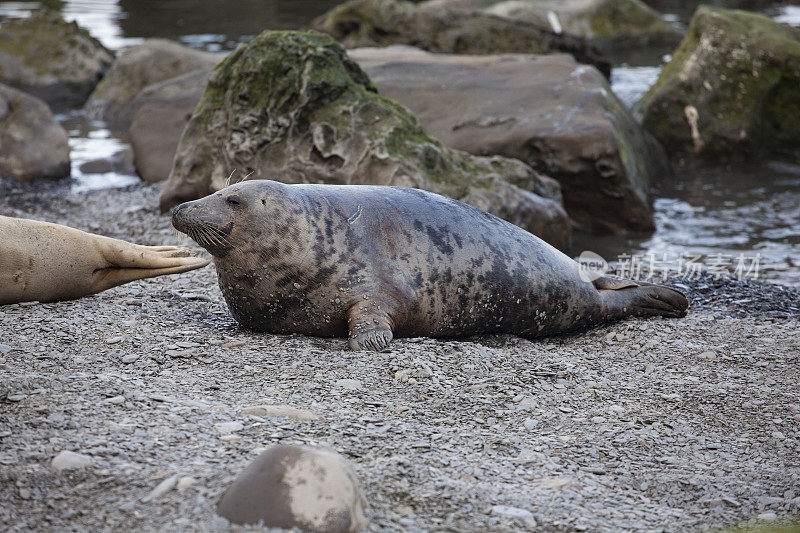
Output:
x=377 y=262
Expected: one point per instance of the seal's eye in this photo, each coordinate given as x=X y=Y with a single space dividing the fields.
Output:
x=232 y=200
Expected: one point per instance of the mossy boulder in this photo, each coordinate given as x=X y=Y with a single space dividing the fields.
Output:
x=731 y=89
x=607 y=24
x=437 y=28
x=32 y=144
x=292 y=106
x=51 y=59
x=153 y=61
x=548 y=111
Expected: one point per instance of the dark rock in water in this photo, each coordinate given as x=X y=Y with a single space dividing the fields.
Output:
x=96 y=166
x=607 y=24
x=312 y=489
x=153 y=61
x=292 y=106
x=120 y=162
x=32 y=144
x=360 y=23
x=732 y=89
x=161 y=112
x=556 y=115
x=51 y=59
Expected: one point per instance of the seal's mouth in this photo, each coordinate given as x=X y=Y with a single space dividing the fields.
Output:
x=212 y=236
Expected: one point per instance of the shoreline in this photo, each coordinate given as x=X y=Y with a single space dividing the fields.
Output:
x=647 y=424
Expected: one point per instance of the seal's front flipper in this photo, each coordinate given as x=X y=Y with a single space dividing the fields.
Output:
x=370 y=327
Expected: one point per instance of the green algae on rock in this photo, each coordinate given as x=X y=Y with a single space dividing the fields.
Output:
x=293 y=106
x=51 y=59
x=438 y=28
x=731 y=89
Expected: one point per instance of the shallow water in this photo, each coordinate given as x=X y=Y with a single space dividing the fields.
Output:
x=750 y=214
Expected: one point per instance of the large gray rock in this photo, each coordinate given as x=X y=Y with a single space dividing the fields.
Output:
x=51 y=59
x=32 y=144
x=548 y=111
x=161 y=112
x=312 y=489
x=153 y=61
x=731 y=89
x=292 y=106
x=360 y=23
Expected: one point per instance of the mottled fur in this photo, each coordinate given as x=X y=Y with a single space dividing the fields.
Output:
x=374 y=262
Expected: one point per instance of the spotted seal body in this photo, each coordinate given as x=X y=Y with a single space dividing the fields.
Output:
x=377 y=262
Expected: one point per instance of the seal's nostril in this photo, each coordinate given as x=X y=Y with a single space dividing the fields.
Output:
x=178 y=209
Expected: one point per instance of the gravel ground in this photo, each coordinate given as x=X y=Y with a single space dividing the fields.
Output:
x=645 y=425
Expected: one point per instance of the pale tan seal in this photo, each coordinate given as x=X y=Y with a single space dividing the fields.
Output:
x=377 y=262
x=45 y=262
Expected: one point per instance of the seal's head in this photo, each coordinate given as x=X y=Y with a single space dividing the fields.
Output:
x=224 y=220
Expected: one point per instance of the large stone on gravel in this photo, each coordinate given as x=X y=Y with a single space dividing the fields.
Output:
x=732 y=89
x=360 y=23
x=292 y=106
x=51 y=59
x=32 y=144
x=607 y=24
x=153 y=61
x=312 y=489
x=552 y=113
x=161 y=112
x=67 y=460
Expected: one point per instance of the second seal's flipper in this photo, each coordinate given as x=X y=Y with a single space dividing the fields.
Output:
x=128 y=262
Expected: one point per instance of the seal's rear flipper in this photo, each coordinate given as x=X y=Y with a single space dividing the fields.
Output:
x=625 y=298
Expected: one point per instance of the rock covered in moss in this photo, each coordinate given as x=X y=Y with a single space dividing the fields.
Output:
x=312 y=489
x=437 y=28
x=608 y=24
x=292 y=106
x=559 y=117
x=32 y=144
x=51 y=59
x=153 y=61
x=732 y=89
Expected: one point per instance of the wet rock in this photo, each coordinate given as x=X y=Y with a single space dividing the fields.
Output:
x=153 y=61
x=32 y=144
x=161 y=112
x=292 y=106
x=608 y=24
x=731 y=89
x=51 y=59
x=67 y=460
x=559 y=117
x=437 y=28
x=312 y=489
